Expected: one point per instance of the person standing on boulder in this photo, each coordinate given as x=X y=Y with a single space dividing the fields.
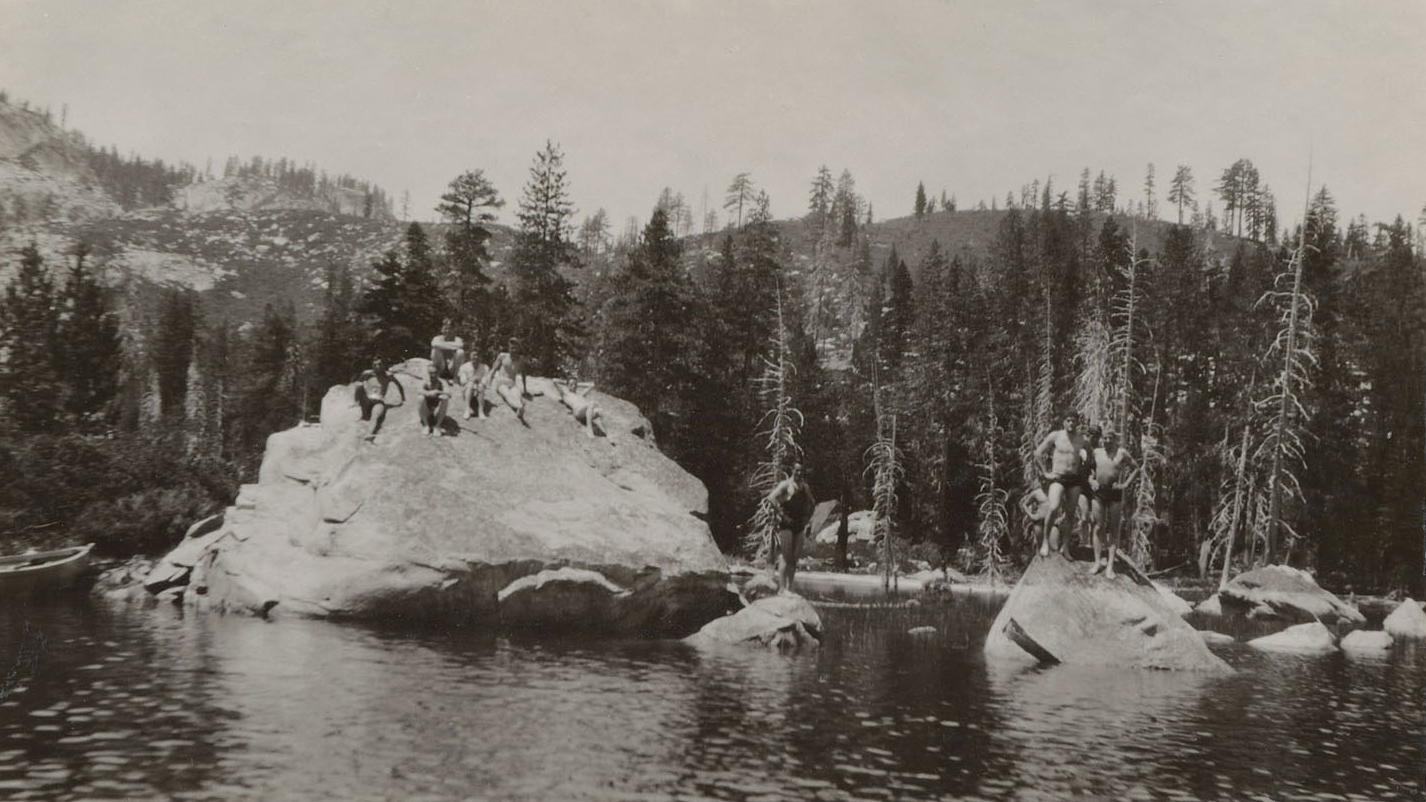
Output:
x=434 y=400
x=1060 y=457
x=1107 y=505
x=370 y=393
x=795 y=503
x=447 y=352
x=507 y=376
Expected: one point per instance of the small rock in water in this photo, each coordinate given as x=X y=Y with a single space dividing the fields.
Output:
x=1210 y=606
x=1211 y=637
x=921 y=632
x=1363 y=641
x=1309 y=638
x=1406 y=621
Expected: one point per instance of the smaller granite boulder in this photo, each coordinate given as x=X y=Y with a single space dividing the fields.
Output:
x=786 y=623
x=1175 y=602
x=1289 y=592
x=1210 y=606
x=1363 y=641
x=1406 y=622
x=1313 y=638
x=1215 y=638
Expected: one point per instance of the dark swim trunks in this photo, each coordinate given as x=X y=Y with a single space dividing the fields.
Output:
x=1109 y=494
x=1065 y=480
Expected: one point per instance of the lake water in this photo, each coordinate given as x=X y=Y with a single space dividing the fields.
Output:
x=108 y=702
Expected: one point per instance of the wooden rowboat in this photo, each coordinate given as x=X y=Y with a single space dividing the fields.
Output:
x=40 y=571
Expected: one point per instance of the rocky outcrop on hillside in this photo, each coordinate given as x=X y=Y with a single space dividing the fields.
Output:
x=494 y=522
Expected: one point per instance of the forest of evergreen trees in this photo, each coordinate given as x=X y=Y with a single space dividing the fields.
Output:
x=1273 y=389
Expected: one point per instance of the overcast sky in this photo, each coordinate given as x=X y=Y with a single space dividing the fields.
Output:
x=973 y=98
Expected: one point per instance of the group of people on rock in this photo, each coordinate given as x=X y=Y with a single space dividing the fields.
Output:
x=450 y=366
x=1083 y=475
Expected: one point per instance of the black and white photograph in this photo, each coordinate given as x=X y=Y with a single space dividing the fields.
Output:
x=759 y=400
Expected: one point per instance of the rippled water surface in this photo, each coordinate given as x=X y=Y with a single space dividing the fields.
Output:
x=106 y=702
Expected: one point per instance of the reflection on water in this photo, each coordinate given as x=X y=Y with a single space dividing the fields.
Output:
x=144 y=704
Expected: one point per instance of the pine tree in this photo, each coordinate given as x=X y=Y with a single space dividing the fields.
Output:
x=90 y=331
x=29 y=340
x=920 y=208
x=547 y=317
x=739 y=195
x=173 y=346
x=470 y=199
x=648 y=337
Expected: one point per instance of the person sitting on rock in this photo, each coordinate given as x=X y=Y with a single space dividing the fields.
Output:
x=794 y=502
x=447 y=352
x=507 y=376
x=472 y=383
x=585 y=411
x=370 y=394
x=434 y=399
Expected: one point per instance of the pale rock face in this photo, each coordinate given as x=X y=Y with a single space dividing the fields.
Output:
x=1406 y=622
x=497 y=522
x=1060 y=613
x=1310 y=638
x=1290 y=593
x=1363 y=641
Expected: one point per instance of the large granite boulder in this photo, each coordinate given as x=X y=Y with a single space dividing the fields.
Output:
x=786 y=622
x=1406 y=622
x=1288 y=592
x=531 y=524
x=1060 y=613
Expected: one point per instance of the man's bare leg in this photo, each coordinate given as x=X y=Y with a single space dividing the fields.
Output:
x=1096 y=517
x=1071 y=516
x=1115 y=515
x=1052 y=506
x=378 y=415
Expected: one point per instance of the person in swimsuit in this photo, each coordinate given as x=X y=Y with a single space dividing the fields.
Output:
x=1060 y=458
x=1086 y=491
x=370 y=395
x=434 y=399
x=447 y=352
x=1107 y=507
x=507 y=376
x=794 y=502
x=584 y=410
x=472 y=383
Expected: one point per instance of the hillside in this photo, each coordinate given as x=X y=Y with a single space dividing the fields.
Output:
x=259 y=236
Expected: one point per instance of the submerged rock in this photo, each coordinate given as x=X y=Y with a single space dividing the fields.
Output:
x=787 y=623
x=1407 y=621
x=1216 y=638
x=1364 y=641
x=1060 y=613
x=1313 y=637
x=1287 y=592
x=530 y=524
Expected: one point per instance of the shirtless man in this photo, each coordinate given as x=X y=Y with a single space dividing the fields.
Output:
x=434 y=399
x=1060 y=457
x=794 y=502
x=1107 y=508
x=507 y=376
x=1092 y=435
x=584 y=410
x=370 y=394
x=447 y=352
